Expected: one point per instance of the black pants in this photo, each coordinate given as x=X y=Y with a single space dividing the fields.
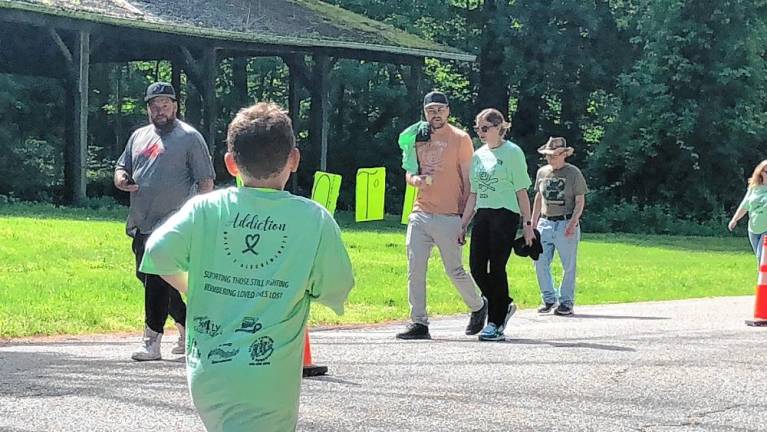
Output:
x=492 y=237
x=160 y=299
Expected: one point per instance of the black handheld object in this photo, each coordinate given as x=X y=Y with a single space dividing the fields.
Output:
x=424 y=133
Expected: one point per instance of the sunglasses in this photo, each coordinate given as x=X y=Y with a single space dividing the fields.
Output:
x=484 y=129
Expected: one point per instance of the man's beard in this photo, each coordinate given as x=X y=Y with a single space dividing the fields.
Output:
x=434 y=125
x=167 y=126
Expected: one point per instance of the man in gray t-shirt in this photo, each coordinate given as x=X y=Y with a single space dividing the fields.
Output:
x=163 y=165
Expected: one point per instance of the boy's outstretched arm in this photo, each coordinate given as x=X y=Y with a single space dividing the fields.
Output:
x=331 y=277
x=168 y=248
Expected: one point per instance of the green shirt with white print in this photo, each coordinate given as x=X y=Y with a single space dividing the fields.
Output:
x=256 y=258
x=497 y=174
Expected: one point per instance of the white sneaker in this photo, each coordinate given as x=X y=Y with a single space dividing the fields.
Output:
x=180 y=347
x=509 y=312
x=151 y=347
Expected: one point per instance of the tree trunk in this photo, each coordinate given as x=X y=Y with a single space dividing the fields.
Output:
x=493 y=78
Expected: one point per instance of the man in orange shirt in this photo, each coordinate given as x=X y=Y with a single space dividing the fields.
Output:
x=443 y=186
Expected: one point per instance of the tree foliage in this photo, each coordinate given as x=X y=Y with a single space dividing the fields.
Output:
x=664 y=100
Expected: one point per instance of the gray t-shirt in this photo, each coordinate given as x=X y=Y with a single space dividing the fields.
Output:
x=559 y=188
x=166 y=169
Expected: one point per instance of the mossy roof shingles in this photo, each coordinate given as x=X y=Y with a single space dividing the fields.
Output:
x=299 y=23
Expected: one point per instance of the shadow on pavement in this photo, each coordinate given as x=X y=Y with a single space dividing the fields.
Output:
x=555 y=344
x=621 y=317
x=48 y=374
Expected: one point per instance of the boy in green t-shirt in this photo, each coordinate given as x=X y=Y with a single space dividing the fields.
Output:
x=250 y=260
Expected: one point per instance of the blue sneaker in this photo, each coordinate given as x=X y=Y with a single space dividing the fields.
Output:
x=491 y=333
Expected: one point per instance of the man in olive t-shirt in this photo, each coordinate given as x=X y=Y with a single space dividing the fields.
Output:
x=559 y=201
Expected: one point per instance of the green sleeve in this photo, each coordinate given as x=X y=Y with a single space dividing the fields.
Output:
x=167 y=250
x=331 y=277
x=744 y=204
x=406 y=142
x=473 y=174
x=519 y=175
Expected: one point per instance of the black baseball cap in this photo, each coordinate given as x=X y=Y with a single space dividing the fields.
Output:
x=160 y=89
x=435 y=97
x=533 y=251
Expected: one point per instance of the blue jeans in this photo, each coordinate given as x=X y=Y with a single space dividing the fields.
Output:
x=757 y=242
x=553 y=238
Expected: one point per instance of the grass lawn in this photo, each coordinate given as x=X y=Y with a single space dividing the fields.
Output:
x=69 y=271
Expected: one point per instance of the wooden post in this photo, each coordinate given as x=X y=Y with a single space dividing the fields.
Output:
x=209 y=98
x=318 y=132
x=195 y=89
x=294 y=111
x=80 y=150
x=175 y=81
x=240 y=82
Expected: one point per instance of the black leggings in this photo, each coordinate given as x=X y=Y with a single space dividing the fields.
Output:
x=160 y=298
x=492 y=237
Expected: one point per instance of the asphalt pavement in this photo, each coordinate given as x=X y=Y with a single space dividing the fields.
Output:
x=690 y=365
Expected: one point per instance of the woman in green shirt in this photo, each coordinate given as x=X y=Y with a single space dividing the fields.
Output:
x=755 y=204
x=499 y=182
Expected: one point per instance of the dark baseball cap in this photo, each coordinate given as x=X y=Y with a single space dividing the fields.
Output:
x=533 y=251
x=160 y=89
x=435 y=97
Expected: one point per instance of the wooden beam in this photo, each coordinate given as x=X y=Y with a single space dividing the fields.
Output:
x=62 y=46
x=80 y=151
x=193 y=69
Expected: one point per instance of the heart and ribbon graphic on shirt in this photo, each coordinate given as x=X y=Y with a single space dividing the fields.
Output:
x=251 y=241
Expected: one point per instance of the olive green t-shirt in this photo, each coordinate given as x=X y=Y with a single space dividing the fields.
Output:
x=255 y=258
x=559 y=189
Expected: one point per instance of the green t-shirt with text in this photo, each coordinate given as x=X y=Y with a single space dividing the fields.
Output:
x=255 y=258
x=497 y=174
x=755 y=202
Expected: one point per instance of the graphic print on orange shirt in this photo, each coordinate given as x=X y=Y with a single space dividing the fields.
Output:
x=430 y=156
x=153 y=150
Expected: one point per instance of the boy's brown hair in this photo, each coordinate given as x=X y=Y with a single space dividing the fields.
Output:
x=260 y=138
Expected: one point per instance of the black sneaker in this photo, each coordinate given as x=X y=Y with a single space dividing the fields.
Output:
x=563 y=310
x=477 y=319
x=415 y=331
x=546 y=308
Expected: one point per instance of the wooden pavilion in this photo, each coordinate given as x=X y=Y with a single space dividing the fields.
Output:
x=67 y=36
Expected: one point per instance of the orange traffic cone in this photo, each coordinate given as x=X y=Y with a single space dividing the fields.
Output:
x=760 y=303
x=311 y=369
